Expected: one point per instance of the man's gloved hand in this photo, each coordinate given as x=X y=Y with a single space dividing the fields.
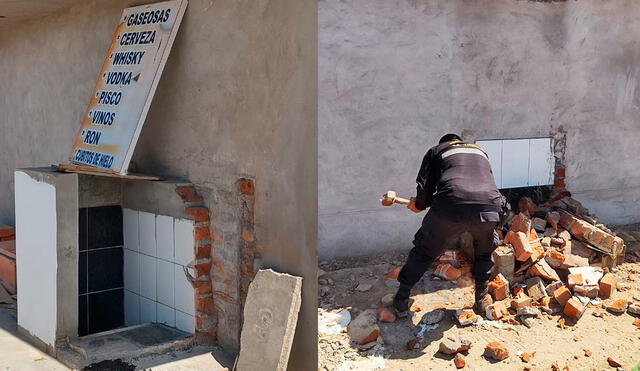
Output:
x=412 y=205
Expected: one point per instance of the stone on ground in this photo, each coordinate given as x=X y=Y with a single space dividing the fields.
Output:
x=496 y=350
x=364 y=329
x=433 y=317
x=452 y=344
x=270 y=317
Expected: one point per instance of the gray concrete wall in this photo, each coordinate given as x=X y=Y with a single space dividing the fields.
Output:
x=237 y=98
x=397 y=75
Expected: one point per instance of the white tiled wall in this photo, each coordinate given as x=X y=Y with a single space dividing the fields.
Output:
x=156 y=248
x=520 y=162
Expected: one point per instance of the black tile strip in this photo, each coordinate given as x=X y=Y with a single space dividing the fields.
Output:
x=105 y=227
x=106 y=310
x=105 y=269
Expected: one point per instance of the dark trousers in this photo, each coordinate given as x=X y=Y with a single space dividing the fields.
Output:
x=438 y=226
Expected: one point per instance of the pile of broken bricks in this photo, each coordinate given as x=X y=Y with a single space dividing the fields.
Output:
x=553 y=259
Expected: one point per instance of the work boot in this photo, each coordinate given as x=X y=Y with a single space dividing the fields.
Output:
x=480 y=292
x=401 y=301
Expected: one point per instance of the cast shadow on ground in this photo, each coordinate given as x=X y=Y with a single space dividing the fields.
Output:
x=408 y=331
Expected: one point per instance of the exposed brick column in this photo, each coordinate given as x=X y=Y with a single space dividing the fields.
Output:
x=206 y=319
x=559 y=186
x=249 y=251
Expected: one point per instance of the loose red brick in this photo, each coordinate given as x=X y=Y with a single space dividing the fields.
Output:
x=385 y=315
x=582 y=230
x=544 y=271
x=496 y=351
x=447 y=272
x=373 y=336
x=465 y=269
x=545 y=302
x=521 y=223
x=456 y=258
x=574 y=309
x=496 y=311
x=393 y=275
x=526 y=357
x=526 y=206
x=459 y=360
x=574 y=280
x=554 y=258
x=553 y=219
x=618 y=306
x=566 y=220
x=202 y=233
x=607 y=285
x=538 y=250
x=533 y=235
x=562 y=295
x=466 y=317
x=561 y=323
x=520 y=301
x=613 y=363
x=520 y=245
x=485 y=302
x=499 y=287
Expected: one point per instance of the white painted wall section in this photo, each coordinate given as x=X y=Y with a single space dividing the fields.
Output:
x=36 y=256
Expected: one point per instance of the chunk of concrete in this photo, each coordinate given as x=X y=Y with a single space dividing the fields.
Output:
x=270 y=318
x=364 y=328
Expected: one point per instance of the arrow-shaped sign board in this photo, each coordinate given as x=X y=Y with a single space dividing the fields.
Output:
x=126 y=85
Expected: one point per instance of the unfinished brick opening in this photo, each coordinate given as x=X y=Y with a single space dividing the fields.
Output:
x=205 y=313
x=115 y=255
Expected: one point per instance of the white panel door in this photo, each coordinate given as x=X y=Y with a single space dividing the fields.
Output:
x=493 y=148
x=541 y=162
x=515 y=163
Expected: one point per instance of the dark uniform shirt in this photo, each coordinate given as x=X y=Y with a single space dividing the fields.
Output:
x=457 y=173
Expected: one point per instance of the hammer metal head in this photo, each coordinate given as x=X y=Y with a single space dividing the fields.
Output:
x=388 y=197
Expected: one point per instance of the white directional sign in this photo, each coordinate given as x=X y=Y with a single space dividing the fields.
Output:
x=125 y=86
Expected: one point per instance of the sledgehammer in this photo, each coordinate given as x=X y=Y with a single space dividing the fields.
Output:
x=391 y=197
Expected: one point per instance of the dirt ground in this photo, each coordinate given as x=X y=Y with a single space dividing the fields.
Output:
x=612 y=336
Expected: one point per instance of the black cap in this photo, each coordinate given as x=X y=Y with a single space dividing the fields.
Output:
x=449 y=137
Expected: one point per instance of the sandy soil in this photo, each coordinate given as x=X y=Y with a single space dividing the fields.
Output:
x=611 y=336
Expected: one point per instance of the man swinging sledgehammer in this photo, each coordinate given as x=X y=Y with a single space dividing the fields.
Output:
x=455 y=181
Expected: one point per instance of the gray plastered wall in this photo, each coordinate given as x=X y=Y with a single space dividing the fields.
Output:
x=397 y=75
